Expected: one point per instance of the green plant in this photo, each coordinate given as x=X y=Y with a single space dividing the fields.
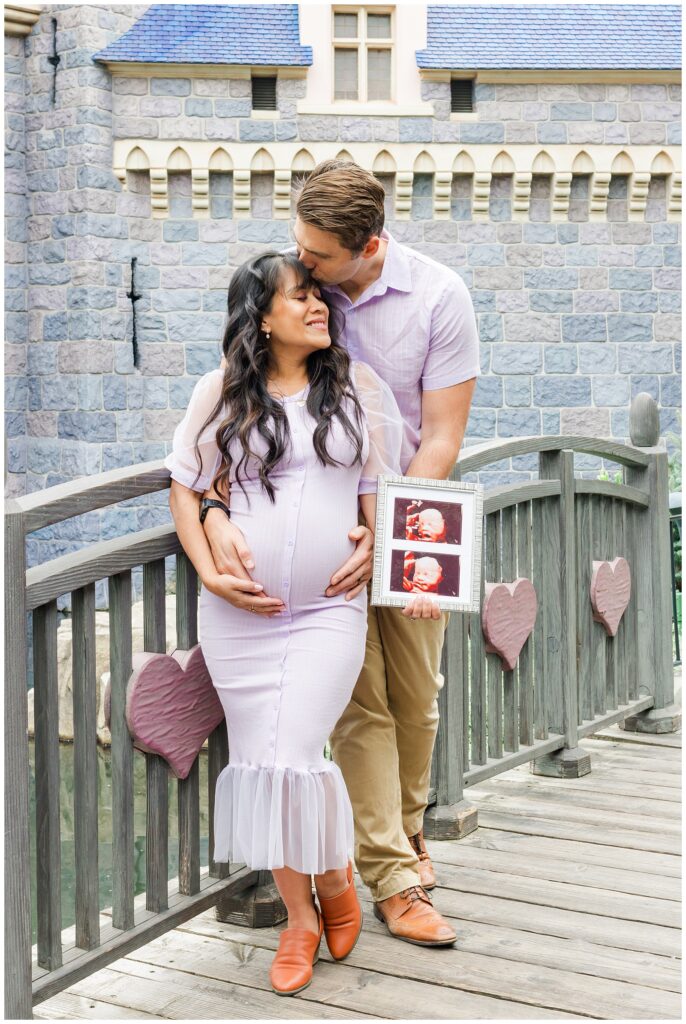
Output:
x=618 y=477
x=674 y=442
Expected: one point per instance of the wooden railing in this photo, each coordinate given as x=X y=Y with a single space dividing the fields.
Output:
x=570 y=679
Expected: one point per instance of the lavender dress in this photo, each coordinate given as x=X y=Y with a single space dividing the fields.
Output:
x=284 y=682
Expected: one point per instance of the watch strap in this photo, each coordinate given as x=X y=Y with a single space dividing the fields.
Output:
x=207 y=503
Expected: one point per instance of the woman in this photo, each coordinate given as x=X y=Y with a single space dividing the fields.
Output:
x=295 y=435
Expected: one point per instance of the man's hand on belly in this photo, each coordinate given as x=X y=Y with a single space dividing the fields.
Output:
x=233 y=560
x=353 y=575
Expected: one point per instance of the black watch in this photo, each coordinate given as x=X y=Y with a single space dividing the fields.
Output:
x=207 y=503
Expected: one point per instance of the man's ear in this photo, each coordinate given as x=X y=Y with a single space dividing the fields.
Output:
x=371 y=248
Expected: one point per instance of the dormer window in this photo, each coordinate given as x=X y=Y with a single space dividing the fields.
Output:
x=363 y=53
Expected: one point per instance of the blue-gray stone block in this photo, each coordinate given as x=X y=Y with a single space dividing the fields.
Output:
x=43 y=454
x=35 y=402
x=674 y=134
x=53 y=251
x=551 y=277
x=91 y=298
x=117 y=456
x=130 y=426
x=490 y=327
x=545 y=233
x=571 y=112
x=551 y=132
x=645 y=358
x=286 y=131
x=581 y=256
x=175 y=299
x=500 y=209
x=488 y=393
x=560 y=359
x=611 y=391
x=84 y=326
x=202 y=358
x=483 y=301
x=636 y=327
x=517 y=357
x=102 y=225
x=214 y=301
x=181 y=389
x=563 y=391
x=355 y=129
x=15 y=276
x=672 y=256
x=170 y=86
x=256 y=131
x=584 y=328
x=114 y=392
x=206 y=255
x=43 y=181
x=551 y=302
x=481 y=423
x=87 y=426
x=670 y=302
x=670 y=391
x=198 y=108
x=649 y=256
x=638 y=302
x=180 y=231
x=232 y=108
x=97 y=177
x=89 y=392
x=63 y=226
x=567 y=233
x=117 y=522
x=604 y=111
x=156 y=393
x=518 y=422
x=484 y=93
x=151 y=328
x=476 y=132
x=518 y=392
x=55 y=327
x=415 y=129
x=486 y=255
x=41 y=358
x=597 y=358
x=422 y=209
x=461 y=209
x=16 y=393
x=15 y=327
x=263 y=231
x=648 y=383
x=664 y=234
x=634 y=280
x=49 y=273
x=200 y=327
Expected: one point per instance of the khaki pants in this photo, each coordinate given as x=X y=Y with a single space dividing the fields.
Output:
x=383 y=743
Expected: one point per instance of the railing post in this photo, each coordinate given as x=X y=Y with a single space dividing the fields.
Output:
x=644 y=426
x=572 y=761
x=451 y=817
x=18 y=999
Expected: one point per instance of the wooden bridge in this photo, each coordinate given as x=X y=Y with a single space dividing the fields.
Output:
x=543 y=890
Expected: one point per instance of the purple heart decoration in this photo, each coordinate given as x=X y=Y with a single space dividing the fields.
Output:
x=171 y=706
x=610 y=592
x=507 y=618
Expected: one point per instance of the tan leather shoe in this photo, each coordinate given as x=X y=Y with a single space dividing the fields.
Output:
x=342 y=919
x=426 y=868
x=298 y=952
x=409 y=915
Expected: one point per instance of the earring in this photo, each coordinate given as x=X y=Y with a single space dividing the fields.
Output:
x=267 y=333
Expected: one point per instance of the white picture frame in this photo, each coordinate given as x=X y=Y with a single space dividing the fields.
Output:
x=428 y=540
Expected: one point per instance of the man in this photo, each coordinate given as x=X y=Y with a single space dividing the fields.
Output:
x=413 y=321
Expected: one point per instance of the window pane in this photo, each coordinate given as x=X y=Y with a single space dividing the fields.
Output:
x=379 y=74
x=345 y=26
x=379 y=26
x=345 y=75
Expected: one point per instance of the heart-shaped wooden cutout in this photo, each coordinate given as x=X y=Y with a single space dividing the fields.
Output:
x=610 y=592
x=507 y=618
x=171 y=706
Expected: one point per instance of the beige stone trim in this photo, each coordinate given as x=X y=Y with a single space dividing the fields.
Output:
x=284 y=159
x=135 y=69
x=493 y=76
x=347 y=108
x=20 y=19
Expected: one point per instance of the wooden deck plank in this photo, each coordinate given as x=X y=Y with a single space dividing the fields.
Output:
x=564 y=849
x=650 y=813
x=609 y=784
x=613 y=732
x=524 y=863
x=67 y=1006
x=492 y=975
x=180 y=994
x=542 y=826
x=563 y=895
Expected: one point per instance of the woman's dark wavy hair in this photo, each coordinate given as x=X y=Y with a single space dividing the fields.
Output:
x=244 y=389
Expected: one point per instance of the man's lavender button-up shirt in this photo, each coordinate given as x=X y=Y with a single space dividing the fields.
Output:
x=421 y=337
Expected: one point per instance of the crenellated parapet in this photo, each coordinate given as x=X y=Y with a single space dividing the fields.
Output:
x=404 y=162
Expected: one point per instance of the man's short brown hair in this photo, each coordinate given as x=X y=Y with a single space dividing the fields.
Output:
x=341 y=197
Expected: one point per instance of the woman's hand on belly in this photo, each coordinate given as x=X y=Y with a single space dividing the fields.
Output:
x=244 y=594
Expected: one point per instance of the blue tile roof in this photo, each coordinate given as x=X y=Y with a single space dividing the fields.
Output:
x=578 y=36
x=213 y=34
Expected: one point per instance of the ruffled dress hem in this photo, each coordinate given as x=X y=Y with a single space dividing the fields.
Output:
x=273 y=817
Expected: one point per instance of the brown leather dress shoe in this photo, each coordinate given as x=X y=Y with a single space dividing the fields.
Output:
x=342 y=919
x=409 y=915
x=426 y=868
x=298 y=952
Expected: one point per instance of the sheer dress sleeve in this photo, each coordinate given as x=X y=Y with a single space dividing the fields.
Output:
x=384 y=424
x=183 y=459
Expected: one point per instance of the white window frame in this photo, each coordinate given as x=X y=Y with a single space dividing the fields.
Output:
x=362 y=43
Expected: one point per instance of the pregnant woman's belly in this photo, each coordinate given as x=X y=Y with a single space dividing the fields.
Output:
x=301 y=540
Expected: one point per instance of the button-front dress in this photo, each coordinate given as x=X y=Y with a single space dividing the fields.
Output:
x=284 y=681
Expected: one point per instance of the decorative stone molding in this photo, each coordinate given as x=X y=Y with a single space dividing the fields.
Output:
x=404 y=160
x=530 y=76
x=132 y=69
x=20 y=19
